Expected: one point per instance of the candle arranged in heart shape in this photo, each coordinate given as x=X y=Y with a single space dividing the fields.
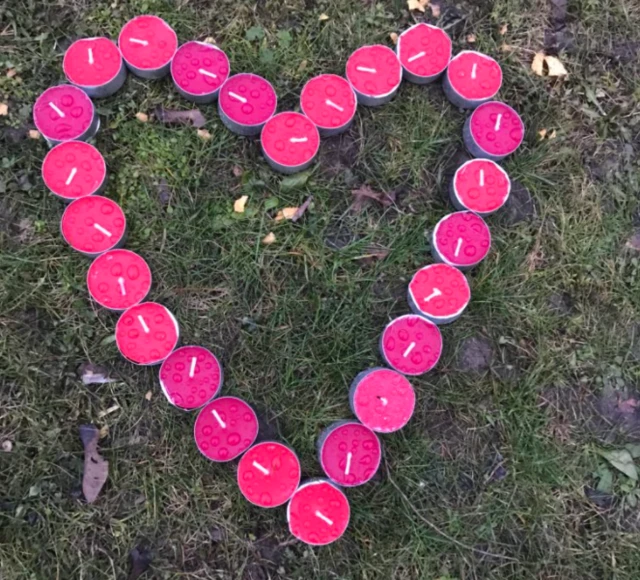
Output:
x=290 y=142
x=95 y=65
x=119 y=279
x=246 y=102
x=268 y=474
x=382 y=400
x=439 y=292
x=225 y=429
x=493 y=131
x=147 y=333
x=318 y=513
x=349 y=453
x=329 y=101
x=461 y=239
x=411 y=344
x=199 y=70
x=480 y=186
x=65 y=113
x=190 y=377
x=74 y=169
x=147 y=44
x=424 y=52
x=472 y=78
x=93 y=224
x=374 y=73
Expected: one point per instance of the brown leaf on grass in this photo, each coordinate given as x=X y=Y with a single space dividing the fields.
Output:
x=7 y=446
x=419 y=5
x=240 y=203
x=4 y=109
x=537 y=65
x=33 y=134
x=364 y=196
x=286 y=213
x=471 y=38
x=373 y=254
x=302 y=209
x=94 y=374
x=141 y=558
x=394 y=37
x=12 y=72
x=204 y=134
x=148 y=395
x=142 y=117
x=504 y=29
x=554 y=68
x=269 y=239
x=96 y=468
x=323 y=17
x=210 y=40
x=170 y=116
x=237 y=171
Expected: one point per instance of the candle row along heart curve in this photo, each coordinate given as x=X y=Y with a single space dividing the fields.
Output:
x=191 y=377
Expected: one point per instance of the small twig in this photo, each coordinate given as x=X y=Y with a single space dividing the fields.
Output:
x=436 y=529
x=302 y=209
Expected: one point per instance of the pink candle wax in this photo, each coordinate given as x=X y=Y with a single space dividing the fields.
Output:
x=461 y=239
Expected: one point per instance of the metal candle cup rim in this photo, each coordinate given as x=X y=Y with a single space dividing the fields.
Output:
x=275 y=105
x=455 y=188
x=64 y=61
x=481 y=54
x=443 y=258
x=435 y=316
x=382 y=96
x=469 y=123
x=148 y=70
x=214 y=91
x=446 y=66
x=353 y=114
x=77 y=137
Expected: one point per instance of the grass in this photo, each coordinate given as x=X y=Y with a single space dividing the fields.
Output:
x=295 y=321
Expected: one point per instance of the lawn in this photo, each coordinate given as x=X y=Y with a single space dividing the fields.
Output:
x=502 y=471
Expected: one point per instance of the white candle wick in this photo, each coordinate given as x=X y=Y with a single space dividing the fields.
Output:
x=458 y=247
x=324 y=518
x=366 y=69
x=416 y=56
x=206 y=73
x=347 y=469
x=330 y=103
x=436 y=292
x=192 y=369
x=138 y=41
x=298 y=139
x=409 y=349
x=474 y=70
x=498 y=120
x=143 y=323
x=56 y=109
x=123 y=290
x=219 y=419
x=237 y=97
x=384 y=401
x=260 y=468
x=482 y=178
x=90 y=55
x=105 y=231
x=71 y=176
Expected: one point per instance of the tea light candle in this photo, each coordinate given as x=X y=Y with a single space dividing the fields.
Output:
x=472 y=78
x=493 y=131
x=119 y=279
x=318 y=513
x=411 y=345
x=147 y=44
x=290 y=142
x=268 y=474
x=382 y=400
x=330 y=103
x=375 y=74
x=65 y=113
x=424 y=52
x=74 y=169
x=461 y=239
x=225 y=428
x=93 y=224
x=439 y=292
x=349 y=453
x=480 y=186
x=95 y=65
x=246 y=102
x=199 y=70
x=147 y=333
x=190 y=377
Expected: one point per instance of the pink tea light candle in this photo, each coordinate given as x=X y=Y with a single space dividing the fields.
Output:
x=95 y=65
x=269 y=474
x=480 y=186
x=190 y=377
x=439 y=292
x=330 y=102
x=472 y=78
x=74 y=169
x=147 y=333
x=290 y=142
x=119 y=279
x=93 y=225
x=225 y=428
x=382 y=400
x=349 y=453
x=375 y=74
x=65 y=113
x=318 y=513
x=147 y=44
x=493 y=131
x=424 y=52
x=199 y=70
x=461 y=239
x=245 y=103
x=411 y=345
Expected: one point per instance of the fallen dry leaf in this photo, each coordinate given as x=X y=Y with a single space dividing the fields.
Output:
x=556 y=68
x=210 y=40
x=323 y=17
x=552 y=135
x=4 y=109
x=542 y=134
x=364 y=195
x=302 y=66
x=417 y=5
x=286 y=213
x=170 y=116
x=142 y=117
x=33 y=134
x=373 y=254
x=504 y=29
x=302 y=209
x=537 y=65
x=96 y=468
x=204 y=134
x=7 y=446
x=94 y=374
x=471 y=38
x=269 y=239
x=237 y=171
x=435 y=10
x=12 y=72
x=104 y=431
x=507 y=47
x=394 y=37
x=148 y=395
x=240 y=203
